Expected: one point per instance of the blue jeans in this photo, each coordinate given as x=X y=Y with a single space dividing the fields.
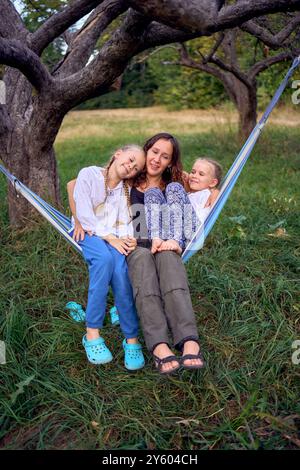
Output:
x=108 y=267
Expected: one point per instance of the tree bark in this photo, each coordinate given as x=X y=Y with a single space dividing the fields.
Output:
x=27 y=141
x=246 y=103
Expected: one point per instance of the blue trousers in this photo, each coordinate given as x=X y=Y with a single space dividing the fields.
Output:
x=108 y=267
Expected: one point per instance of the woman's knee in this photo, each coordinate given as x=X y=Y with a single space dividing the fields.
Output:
x=154 y=195
x=175 y=188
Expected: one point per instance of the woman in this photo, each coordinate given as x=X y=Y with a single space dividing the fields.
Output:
x=159 y=280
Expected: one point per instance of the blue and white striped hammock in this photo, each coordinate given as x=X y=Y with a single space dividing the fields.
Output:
x=62 y=223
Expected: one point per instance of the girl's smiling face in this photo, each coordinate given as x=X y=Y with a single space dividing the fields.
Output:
x=159 y=157
x=202 y=176
x=129 y=162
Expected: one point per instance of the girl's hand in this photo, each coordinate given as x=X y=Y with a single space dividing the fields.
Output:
x=185 y=177
x=120 y=245
x=78 y=234
x=213 y=196
x=130 y=242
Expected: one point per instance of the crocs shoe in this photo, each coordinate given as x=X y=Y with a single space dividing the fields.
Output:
x=134 y=358
x=76 y=311
x=96 y=350
x=114 y=316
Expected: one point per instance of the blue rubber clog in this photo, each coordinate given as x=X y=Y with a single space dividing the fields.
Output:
x=114 y=316
x=96 y=350
x=76 y=311
x=134 y=358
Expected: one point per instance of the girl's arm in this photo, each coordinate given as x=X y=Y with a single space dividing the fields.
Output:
x=70 y=190
x=78 y=230
x=213 y=196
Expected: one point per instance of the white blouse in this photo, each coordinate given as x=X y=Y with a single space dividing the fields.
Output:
x=198 y=201
x=97 y=214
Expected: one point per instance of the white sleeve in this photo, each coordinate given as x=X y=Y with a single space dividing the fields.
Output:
x=83 y=200
x=203 y=213
x=198 y=201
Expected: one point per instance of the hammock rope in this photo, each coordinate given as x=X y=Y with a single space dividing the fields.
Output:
x=63 y=224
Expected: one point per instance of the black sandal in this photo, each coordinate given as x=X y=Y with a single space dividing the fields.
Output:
x=160 y=362
x=192 y=356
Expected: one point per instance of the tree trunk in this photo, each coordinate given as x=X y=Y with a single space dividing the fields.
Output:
x=39 y=174
x=247 y=108
x=245 y=100
x=27 y=147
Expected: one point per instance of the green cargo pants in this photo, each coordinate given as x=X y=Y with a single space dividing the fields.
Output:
x=162 y=297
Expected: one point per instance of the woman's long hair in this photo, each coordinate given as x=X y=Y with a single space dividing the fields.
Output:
x=173 y=174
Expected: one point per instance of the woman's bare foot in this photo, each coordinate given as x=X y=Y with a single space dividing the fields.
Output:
x=163 y=351
x=192 y=347
x=170 y=245
x=156 y=243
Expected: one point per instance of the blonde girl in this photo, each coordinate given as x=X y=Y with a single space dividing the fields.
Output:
x=102 y=226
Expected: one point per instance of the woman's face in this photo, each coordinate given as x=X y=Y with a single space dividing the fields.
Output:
x=129 y=163
x=159 y=157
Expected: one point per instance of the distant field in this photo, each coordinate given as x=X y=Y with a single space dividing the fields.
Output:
x=109 y=123
x=245 y=293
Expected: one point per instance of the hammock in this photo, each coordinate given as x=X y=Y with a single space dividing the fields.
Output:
x=62 y=223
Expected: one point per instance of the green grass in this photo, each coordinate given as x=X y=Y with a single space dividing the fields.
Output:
x=244 y=292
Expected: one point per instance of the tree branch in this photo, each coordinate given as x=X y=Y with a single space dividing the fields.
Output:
x=190 y=16
x=231 y=69
x=187 y=61
x=83 y=42
x=275 y=41
x=59 y=22
x=264 y=64
x=204 y=16
x=14 y=54
x=96 y=78
x=11 y=24
x=244 y=10
x=216 y=46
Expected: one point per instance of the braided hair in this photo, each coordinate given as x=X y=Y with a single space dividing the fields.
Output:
x=125 y=182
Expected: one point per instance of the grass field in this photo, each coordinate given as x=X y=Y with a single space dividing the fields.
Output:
x=244 y=291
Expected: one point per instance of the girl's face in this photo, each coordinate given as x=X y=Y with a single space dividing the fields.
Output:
x=202 y=176
x=129 y=163
x=159 y=157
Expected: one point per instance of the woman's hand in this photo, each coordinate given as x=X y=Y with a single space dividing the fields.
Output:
x=156 y=243
x=170 y=245
x=213 y=196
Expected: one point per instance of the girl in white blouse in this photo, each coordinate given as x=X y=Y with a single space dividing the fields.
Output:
x=182 y=209
x=102 y=226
